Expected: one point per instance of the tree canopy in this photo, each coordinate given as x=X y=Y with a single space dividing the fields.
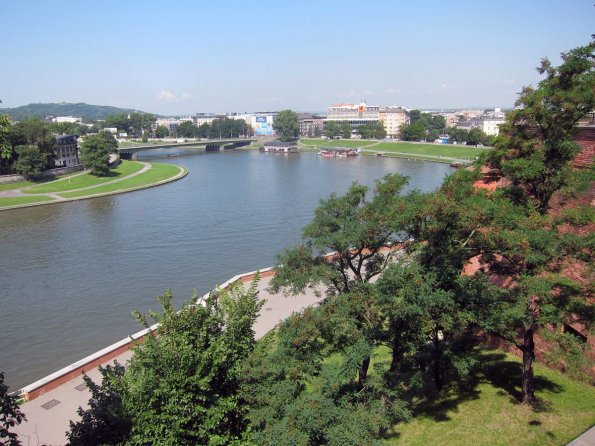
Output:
x=181 y=385
x=536 y=144
x=95 y=154
x=287 y=125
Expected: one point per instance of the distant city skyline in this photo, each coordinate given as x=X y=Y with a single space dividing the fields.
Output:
x=176 y=58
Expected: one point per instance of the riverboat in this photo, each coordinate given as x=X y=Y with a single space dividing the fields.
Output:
x=339 y=152
x=326 y=153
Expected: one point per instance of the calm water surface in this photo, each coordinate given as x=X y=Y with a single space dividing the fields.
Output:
x=71 y=273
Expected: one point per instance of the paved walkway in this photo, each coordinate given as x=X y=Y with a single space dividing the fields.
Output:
x=587 y=439
x=48 y=416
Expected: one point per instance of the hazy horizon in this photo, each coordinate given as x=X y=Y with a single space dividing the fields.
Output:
x=185 y=57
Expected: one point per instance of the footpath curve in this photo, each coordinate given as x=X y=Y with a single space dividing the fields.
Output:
x=56 y=198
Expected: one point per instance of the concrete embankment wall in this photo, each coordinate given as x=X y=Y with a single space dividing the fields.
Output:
x=107 y=354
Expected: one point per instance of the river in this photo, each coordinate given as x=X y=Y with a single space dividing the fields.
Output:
x=71 y=273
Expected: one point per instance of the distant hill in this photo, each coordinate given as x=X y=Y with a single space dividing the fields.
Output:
x=86 y=111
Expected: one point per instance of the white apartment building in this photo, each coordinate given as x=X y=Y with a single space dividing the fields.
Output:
x=392 y=119
x=355 y=114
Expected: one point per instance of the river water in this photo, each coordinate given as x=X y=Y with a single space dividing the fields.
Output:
x=71 y=273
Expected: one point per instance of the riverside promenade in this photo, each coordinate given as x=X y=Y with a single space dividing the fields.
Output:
x=54 y=400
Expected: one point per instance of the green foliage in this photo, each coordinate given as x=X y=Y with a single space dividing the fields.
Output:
x=356 y=230
x=372 y=130
x=105 y=422
x=422 y=126
x=161 y=131
x=536 y=145
x=413 y=132
x=181 y=385
x=95 y=154
x=345 y=130
x=30 y=162
x=580 y=215
x=5 y=146
x=10 y=415
x=287 y=125
x=332 y=129
x=88 y=112
x=187 y=130
x=567 y=353
x=110 y=141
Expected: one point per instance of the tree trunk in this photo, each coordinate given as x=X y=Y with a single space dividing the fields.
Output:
x=528 y=393
x=363 y=372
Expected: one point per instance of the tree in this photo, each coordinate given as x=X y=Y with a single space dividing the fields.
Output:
x=95 y=155
x=372 y=130
x=187 y=130
x=34 y=131
x=106 y=421
x=345 y=130
x=412 y=132
x=356 y=230
x=10 y=415
x=6 y=151
x=287 y=125
x=331 y=129
x=110 y=141
x=30 y=162
x=536 y=145
x=161 y=131
x=182 y=383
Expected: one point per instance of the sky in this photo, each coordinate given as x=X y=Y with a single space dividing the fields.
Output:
x=184 y=57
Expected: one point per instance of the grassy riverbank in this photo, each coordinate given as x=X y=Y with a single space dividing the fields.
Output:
x=422 y=151
x=125 y=168
x=124 y=178
x=157 y=173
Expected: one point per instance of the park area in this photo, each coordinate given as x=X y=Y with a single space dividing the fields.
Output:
x=126 y=177
x=446 y=153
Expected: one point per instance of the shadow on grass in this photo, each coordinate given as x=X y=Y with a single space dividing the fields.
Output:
x=506 y=376
x=495 y=369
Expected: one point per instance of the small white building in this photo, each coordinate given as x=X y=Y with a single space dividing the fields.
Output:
x=70 y=119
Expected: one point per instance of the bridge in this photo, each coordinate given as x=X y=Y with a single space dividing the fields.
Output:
x=208 y=144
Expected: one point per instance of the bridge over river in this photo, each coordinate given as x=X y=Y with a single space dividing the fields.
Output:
x=208 y=144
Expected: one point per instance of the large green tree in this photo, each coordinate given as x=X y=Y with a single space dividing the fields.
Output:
x=182 y=383
x=536 y=144
x=345 y=130
x=30 y=162
x=287 y=125
x=95 y=154
x=356 y=230
x=332 y=129
x=162 y=131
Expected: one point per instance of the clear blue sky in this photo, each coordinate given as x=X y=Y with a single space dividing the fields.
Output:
x=176 y=57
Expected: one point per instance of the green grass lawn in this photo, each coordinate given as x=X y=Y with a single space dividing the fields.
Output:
x=158 y=172
x=489 y=412
x=402 y=149
x=86 y=180
x=18 y=185
x=14 y=201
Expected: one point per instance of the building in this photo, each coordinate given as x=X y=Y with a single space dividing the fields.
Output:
x=171 y=123
x=280 y=147
x=392 y=119
x=70 y=119
x=489 y=124
x=355 y=114
x=67 y=154
x=262 y=123
x=311 y=125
